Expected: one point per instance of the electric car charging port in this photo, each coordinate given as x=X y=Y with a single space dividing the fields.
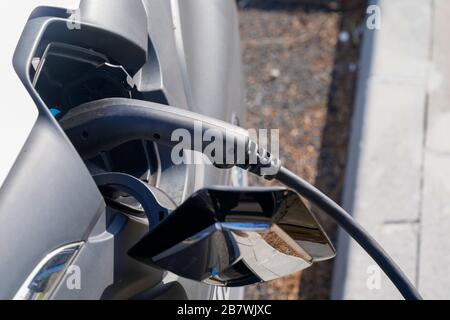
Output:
x=67 y=76
x=66 y=68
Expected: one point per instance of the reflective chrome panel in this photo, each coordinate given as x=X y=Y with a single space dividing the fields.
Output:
x=43 y=280
x=236 y=236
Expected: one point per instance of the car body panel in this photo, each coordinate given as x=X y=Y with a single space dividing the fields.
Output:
x=17 y=107
x=48 y=198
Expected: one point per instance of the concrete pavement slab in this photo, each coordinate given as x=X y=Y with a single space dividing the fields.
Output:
x=434 y=262
x=386 y=159
x=434 y=278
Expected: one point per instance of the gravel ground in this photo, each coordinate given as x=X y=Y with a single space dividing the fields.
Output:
x=301 y=63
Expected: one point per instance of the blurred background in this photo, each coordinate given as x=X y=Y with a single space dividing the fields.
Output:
x=301 y=64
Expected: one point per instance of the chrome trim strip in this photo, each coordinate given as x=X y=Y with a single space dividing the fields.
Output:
x=46 y=276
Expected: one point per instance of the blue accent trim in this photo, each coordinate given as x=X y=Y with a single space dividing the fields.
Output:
x=55 y=112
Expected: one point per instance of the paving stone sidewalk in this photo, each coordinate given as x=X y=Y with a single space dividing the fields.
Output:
x=398 y=175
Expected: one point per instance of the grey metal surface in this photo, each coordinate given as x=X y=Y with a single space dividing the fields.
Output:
x=49 y=197
x=211 y=45
x=177 y=55
x=212 y=48
x=48 y=200
x=169 y=77
x=122 y=17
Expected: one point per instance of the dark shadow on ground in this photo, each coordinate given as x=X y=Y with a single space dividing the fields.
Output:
x=330 y=174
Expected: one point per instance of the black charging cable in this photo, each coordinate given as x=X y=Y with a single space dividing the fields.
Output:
x=353 y=228
x=104 y=124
